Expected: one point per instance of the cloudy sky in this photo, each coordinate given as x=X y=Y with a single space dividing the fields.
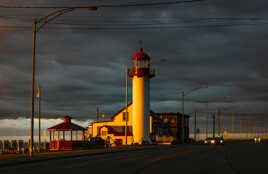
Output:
x=81 y=56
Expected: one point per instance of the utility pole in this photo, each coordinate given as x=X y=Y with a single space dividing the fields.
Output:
x=255 y=127
x=222 y=123
x=219 y=122
x=32 y=92
x=126 y=114
x=233 y=124
x=97 y=114
x=39 y=115
x=206 y=120
x=182 y=119
x=195 y=113
x=251 y=127
x=240 y=129
x=214 y=122
x=247 y=127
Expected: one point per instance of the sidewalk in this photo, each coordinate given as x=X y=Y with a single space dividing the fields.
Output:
x=19 y=159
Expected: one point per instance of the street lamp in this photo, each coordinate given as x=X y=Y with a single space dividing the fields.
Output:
x=103 y=117
x=183 y=96
x=37 y=26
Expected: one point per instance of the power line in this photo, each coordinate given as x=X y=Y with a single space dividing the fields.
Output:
x=118 y=19
x=153 y=23
x=127 y=28
x=123 y=25
x=146 y=23
x=103 y=6
x=160 y=21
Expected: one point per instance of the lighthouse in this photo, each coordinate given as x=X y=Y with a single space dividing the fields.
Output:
x=141 y=75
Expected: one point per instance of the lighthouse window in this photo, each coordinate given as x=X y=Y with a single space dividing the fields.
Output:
x=139 y=63
x=146 y=64
x=125 y=116
x=142 y=63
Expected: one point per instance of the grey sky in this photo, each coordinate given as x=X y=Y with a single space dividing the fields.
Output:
x=216 y=42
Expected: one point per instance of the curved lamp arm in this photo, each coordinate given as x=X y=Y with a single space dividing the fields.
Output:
x=197 y=88
x=50 y=17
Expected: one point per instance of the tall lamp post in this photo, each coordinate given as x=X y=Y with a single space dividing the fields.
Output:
x=37 y=26
x=182 y=119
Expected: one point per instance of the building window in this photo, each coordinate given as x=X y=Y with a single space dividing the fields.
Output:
x=125 y=116
x=104 y=133
x=165 y=120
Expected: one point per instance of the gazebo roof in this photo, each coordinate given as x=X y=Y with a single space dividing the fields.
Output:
x=67 y=125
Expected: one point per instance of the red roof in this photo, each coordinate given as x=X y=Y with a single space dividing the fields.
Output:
x=67 y=125
x=141 y=55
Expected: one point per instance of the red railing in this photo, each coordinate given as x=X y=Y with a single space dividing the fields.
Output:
x=61 y=145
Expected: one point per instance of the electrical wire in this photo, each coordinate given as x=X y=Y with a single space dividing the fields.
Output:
x=104 y=6
x=140 y=26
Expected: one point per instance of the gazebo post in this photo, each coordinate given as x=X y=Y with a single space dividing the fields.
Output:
x=82 y=135
x=76 y=136
x=53 y=138
x=63 y=132
x=71 y=135
x=49 y=135
x=58 y=135
x=58 y=140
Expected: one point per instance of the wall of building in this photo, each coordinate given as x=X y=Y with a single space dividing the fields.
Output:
x=170 y=125
x=161 y=124
x=117 y=120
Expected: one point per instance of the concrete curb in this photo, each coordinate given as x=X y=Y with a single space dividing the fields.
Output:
x=21 y=161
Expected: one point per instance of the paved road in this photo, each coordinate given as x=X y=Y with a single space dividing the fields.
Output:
x=233 y=158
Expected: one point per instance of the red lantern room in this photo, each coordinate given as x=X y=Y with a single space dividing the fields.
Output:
x=141 y=65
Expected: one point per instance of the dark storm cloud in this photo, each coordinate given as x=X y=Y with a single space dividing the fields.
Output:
x=80 y=69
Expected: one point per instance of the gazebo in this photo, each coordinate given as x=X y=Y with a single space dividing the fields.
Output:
x=66 y=141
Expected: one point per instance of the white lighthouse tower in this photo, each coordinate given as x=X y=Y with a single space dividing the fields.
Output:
x=141 y=96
